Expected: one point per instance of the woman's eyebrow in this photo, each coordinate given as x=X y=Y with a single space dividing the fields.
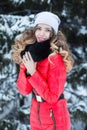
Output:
x=48 y=28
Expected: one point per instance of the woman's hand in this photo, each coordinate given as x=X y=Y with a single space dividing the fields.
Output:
x=29 y=63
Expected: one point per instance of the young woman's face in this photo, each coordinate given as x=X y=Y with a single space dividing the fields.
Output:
x=43 y=32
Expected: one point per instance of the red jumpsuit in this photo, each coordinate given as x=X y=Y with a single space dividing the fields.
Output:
x=48 y=81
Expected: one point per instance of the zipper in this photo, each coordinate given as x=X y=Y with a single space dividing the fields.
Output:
x=53 y=118
x=38 y=110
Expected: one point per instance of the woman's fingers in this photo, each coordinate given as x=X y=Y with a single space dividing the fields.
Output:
x=29 y=55
x=26 y=57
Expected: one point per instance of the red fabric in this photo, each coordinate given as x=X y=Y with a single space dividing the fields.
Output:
x=24 y=86
x=48 y=81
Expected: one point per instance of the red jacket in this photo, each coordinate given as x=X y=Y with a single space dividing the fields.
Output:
x=48 y=81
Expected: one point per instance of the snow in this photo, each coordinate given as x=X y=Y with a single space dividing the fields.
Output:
x=20 y=23
x=82 y=30
x=49 y=1
x=22 y=1
x=81 y=91
x=11 y=25
x=84 y=65
x=79 y=50
x=18 y=1
x=14 y=24
x=22 y=126
x=64 y=13
x=7 y=55
x=81 y=53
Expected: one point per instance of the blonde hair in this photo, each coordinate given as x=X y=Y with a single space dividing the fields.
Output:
x=20 y=43
x=58 y=45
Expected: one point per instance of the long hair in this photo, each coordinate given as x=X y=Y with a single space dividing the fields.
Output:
x=20 y=43
x=59 y=45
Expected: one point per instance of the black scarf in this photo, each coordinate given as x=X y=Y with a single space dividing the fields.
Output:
x=38 y=50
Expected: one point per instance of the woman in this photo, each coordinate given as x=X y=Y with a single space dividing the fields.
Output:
x=44 y=58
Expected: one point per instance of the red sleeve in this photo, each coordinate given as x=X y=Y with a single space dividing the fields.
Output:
x=51 y=89
x=23 y=85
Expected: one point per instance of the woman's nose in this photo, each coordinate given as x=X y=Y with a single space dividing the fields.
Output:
x=41 y=33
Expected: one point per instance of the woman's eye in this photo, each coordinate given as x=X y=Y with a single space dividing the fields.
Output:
x=48 y=30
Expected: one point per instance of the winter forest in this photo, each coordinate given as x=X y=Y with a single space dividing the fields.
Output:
x=17 y=16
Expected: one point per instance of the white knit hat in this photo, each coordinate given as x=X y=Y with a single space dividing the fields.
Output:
x=49 y=19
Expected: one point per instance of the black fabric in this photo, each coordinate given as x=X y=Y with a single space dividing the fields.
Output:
x=38 y=50
x=34 y=96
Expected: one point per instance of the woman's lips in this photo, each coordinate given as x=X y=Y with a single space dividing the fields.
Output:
x=40 y=39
